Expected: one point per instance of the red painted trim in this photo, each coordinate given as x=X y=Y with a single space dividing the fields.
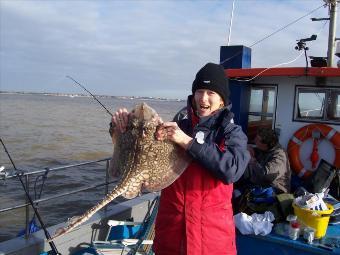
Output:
x=287 y=71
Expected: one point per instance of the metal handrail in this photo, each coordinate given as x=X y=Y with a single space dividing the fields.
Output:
x=28 y=174
x=55 y=196
x=13 y=175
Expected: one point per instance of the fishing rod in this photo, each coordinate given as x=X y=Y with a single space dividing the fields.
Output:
x=67 y=76
x=51 y=243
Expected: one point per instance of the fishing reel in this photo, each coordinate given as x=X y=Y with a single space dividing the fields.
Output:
x=3 y=173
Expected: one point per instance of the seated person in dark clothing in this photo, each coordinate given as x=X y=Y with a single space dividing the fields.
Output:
x=269 y=165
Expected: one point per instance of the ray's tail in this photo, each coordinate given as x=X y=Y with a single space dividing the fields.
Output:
x=76 y=221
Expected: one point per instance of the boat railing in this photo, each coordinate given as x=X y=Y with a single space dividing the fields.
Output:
x=27 y=175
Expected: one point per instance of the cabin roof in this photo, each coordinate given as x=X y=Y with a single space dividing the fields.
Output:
x=286 y=71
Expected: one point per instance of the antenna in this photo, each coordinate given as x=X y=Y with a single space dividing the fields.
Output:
x=332 y=28
x=301 y=45
x=231 y=22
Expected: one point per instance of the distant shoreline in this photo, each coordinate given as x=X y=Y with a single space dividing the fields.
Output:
x=86 y=95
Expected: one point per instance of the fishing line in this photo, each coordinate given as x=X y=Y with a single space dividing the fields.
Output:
x=44 y=177
x=67 y=76
x=32 y=226
x=273 y=33
x=281 y=64
x=149 y=217
x=284 y=27
x=51 y=243
x=285 y=63
x=36 y=195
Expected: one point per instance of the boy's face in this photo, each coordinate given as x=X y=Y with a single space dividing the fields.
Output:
x=259 y=144
x=207 y=102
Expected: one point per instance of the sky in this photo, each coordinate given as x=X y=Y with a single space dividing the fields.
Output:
x=144 y=48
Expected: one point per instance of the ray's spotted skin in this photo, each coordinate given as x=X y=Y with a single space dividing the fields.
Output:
x=142 y=161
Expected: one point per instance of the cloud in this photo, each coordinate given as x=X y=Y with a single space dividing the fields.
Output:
x=141 y=48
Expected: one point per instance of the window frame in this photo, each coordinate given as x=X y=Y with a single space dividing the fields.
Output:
x=324 y=118
x=272 y=116
x=261 y=114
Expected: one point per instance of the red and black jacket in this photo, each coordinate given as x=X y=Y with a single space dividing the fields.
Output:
x=195 y=215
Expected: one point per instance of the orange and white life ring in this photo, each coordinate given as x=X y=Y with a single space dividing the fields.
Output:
x=303 y=134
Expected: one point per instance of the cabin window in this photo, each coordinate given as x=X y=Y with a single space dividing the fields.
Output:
x=310 y=104
x=261 y=109
x=317 y=104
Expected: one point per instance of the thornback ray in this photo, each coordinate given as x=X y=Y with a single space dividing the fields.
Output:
x=142 y=161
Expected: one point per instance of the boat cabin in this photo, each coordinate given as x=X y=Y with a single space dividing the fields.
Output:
x=302 y=104
x=287 y=99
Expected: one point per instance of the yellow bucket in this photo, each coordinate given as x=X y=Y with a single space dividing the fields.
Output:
x=314 y=219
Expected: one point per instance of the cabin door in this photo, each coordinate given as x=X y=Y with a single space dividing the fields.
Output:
x=262 y=108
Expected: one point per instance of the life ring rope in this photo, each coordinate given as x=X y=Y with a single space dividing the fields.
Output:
x=304 y=133
x=302 y=172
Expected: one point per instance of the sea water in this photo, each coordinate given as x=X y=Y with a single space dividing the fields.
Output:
x=43 y=131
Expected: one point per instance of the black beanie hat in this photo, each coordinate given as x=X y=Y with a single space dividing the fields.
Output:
x=212 y=77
